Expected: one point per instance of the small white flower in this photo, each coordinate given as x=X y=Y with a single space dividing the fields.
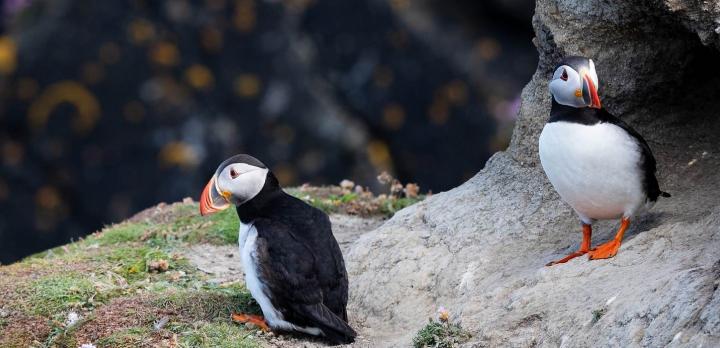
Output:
x=88 y=345
x=72 y=318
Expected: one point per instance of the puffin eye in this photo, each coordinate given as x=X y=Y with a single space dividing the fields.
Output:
x=564 y=75
x=233 y=173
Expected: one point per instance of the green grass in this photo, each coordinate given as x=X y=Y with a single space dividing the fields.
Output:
x=210 y=303
x=55 y=294
x=440 y=335
x=121 y=233
x=126 y=338
x=220 y=335
x=391 y=206
x=219 y=229
x=132 y=262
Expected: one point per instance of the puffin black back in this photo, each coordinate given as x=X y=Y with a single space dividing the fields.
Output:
x=293 y=265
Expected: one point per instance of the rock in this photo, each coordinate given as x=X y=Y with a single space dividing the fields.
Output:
x=479 y=250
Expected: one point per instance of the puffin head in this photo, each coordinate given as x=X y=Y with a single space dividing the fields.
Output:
x=237 y=180
x=575 y=83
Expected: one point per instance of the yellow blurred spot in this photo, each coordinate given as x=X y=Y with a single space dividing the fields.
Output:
x=439 y=112
x=456 y=92
x=8 y=55
x=26 y=88
x=247 y=86
x=379 y=155
x=87 y=106
x=48 y=197
x=199 y=77
x=400 y=5
x=134 y=111
x=212 y=39
x=178 y=154
x=109 y=53
x=164 y=53
x=141 y=31
x=578 y=93
x=487 y=48
x=383 y=77
x=393 y=116
x=92 y=73
x=12 y=153
x=244 y=18
x=284 y=173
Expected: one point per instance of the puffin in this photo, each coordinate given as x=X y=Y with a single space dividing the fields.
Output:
x=596 y=162
x=293 y=265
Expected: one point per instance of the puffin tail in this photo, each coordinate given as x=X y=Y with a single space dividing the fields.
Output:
x=665 y=194
x=336 y=330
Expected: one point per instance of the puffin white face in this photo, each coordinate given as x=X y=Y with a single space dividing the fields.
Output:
x=576 y=88
x=235 y=184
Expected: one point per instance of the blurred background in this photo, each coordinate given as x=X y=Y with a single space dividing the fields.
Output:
x=109 y=107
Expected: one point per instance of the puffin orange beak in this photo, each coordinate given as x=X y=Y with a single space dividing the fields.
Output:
x=211 y=200
x=594 y=98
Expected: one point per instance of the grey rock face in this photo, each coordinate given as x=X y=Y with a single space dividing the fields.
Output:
x=480 y=249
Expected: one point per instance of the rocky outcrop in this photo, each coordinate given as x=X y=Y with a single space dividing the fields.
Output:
x=480 y=249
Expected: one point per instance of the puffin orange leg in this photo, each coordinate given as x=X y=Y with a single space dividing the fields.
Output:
x=609 y=249
x=584 y=246
x=252 y=319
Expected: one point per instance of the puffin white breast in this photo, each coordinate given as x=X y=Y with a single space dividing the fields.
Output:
x=595 y=168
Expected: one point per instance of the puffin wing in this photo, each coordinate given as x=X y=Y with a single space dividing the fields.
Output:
x=647 y=161
x=289 y=269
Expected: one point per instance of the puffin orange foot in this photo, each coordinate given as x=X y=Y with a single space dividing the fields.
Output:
x=584 y=247
x=610 y=249
x=252 y=319
x=567 y=258
x=605 y=251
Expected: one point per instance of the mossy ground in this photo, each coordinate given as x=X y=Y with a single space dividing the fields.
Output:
x=131 y=285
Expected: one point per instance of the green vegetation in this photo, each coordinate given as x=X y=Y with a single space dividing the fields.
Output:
x=597 y=314
x=225 y=225
x=220 y=335
x=120 y=281
x=210 y=303
x=127 y=338
x=121 y=233
x=55 y=294
x=440 y=334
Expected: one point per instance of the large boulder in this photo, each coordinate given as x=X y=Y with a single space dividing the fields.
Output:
x=480 y=249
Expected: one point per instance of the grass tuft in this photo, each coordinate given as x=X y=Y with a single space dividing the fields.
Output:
x=218 y=229
x=55 y=294
x=210 y=303
x=121 y=233
x=220 y=335
x=439 y=334
x=127 y=338
x=597 y=314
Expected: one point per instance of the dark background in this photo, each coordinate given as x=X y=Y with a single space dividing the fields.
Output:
x=108 y=107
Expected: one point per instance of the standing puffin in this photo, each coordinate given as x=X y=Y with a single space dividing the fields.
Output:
x=598 y=164
x=293 y=265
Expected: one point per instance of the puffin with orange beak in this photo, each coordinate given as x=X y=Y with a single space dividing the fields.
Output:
x=597 y=163
x=293 y=265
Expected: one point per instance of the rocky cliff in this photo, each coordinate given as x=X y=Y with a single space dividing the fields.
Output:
x=479 y=250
